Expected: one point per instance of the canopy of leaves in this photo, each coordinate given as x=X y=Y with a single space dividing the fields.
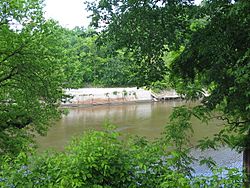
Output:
x=30 y=73
x=214 y=42
x=145 y=28
x=91 y=63
x=218 y=57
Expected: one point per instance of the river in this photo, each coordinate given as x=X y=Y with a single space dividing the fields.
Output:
x=143 y=119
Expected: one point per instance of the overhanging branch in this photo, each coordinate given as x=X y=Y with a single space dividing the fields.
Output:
x=17 y=51
x=13 y=72
x=233 y=123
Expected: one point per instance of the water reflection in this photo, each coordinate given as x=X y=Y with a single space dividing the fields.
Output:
x=145 y=119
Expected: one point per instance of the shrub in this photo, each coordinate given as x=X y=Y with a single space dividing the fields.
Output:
x=95 y=159
x=102 y=159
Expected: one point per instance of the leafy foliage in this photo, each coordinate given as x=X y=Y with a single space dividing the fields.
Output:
x=213 y=39
x=217 y=56
x=91 y=63
x=102 y=159
x=30 y=73
x=145 y=28
x=213 y=44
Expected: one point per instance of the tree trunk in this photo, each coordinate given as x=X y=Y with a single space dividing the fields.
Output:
x=246 y=166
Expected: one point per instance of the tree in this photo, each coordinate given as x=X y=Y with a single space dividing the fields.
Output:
x=146 y=29
x=217 y=56
x=91 y=63
x=215 y=52
x=30 y=73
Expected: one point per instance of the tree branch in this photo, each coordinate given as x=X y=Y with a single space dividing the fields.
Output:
x=13 y=72
x=233 y=123
x=13 y=53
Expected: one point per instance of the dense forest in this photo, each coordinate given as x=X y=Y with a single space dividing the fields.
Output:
x=158 y=44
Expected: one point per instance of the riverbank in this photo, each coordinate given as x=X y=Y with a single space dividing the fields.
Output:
x=87 y=97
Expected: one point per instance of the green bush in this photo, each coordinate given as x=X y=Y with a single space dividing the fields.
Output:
x=103 y=159
x=96 y=159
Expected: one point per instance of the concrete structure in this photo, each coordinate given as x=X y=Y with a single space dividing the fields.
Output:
x=95 y=96
x=165 y=95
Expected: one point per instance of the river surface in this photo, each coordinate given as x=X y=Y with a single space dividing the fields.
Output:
x=143 y=119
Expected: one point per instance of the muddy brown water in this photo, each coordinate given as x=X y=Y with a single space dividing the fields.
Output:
x=143 y=119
